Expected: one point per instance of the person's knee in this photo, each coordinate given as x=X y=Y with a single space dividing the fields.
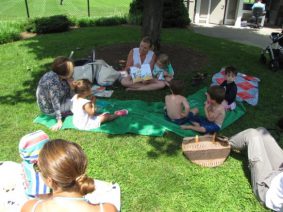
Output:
x=262 y=130
x=252 y=132
x=242 y=139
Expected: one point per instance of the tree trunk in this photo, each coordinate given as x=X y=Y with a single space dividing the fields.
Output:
x=152 y=21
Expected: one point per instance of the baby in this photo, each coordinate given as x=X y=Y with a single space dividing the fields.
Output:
x=177 y=107
x=163 y=70
x=230 y=88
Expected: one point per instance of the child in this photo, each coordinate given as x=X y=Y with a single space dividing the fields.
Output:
x=84 y=110
x=163 y=70
x=214 y=112
x=177 y=107
x=230 y=87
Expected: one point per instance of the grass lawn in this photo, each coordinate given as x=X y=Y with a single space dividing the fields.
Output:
x=11 y=9
x=152 y=172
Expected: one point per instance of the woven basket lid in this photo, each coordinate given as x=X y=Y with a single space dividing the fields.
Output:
x=206 y=152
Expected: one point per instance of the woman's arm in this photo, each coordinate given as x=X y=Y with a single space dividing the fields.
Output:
x=152 y=62
x=55 y=100
x=130 y=61
x=109 y=207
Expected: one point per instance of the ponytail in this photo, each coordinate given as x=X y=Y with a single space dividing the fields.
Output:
x=85 y=184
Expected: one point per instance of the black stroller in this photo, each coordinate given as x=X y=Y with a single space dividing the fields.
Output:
x=275 y=51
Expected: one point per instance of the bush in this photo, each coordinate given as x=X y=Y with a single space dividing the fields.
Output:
x=57 y=23
x=110 y=21
x=174 y=14
x=85 y=22
x=10 y=31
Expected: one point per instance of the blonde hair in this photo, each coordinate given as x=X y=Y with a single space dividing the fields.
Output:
x=82 y=86
x=63 y=66
x=163 y=59
x=65 y=163
x=148 y=40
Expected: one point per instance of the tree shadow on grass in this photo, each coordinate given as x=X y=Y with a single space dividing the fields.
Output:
x=27 y=93
x=168 y=146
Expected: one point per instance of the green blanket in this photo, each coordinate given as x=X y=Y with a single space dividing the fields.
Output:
x=144 y=118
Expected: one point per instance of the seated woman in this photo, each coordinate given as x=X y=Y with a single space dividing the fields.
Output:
x=62 y=165
x=266 y=165
x=54 y=90
x=138 y=57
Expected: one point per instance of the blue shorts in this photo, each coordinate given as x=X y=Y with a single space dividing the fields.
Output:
x=180 y=121
x=210 y=127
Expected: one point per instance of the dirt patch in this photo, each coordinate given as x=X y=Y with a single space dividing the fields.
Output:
x=183 y=59
x=26 y=35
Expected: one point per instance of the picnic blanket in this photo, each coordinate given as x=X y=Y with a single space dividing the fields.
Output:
x=144 y=118
x=13 y=195
x=247 y=86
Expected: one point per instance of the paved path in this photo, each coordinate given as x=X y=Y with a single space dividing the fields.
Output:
x=255 y=37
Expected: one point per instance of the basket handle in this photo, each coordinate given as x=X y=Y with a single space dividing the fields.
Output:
x=213 y=137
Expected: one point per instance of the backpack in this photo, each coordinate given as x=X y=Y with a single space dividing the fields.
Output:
x=29 y=148
x=99 y=71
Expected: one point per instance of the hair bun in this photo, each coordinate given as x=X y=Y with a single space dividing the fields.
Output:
x=85 y=184
x=80 y=178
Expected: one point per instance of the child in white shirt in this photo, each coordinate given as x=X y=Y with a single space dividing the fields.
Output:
x=84 y=110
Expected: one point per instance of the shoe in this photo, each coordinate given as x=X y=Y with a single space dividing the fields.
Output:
x=123 y=112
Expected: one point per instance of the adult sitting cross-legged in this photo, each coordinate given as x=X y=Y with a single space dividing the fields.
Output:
x=138 y=57
x=265 y=163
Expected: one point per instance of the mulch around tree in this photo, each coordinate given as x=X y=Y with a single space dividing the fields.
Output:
x=183 y=59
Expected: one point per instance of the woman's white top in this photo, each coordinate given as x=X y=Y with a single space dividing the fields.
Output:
x=137 y=57
x=274 y=195
x=81 y=119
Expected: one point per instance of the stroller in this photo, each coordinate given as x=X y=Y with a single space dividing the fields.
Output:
x=275 y=51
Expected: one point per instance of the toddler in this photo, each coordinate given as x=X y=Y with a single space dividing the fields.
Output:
x=163 y=70
x=85 y=115
x=177 y=107
x=214 y=112
x=230 y=88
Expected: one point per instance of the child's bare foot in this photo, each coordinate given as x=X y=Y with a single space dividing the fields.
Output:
x=186 y=127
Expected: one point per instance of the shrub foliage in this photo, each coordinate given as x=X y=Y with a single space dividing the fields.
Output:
x=57 y=23
x=175 y=13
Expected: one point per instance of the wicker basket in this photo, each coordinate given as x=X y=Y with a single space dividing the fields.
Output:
x=203 y=151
